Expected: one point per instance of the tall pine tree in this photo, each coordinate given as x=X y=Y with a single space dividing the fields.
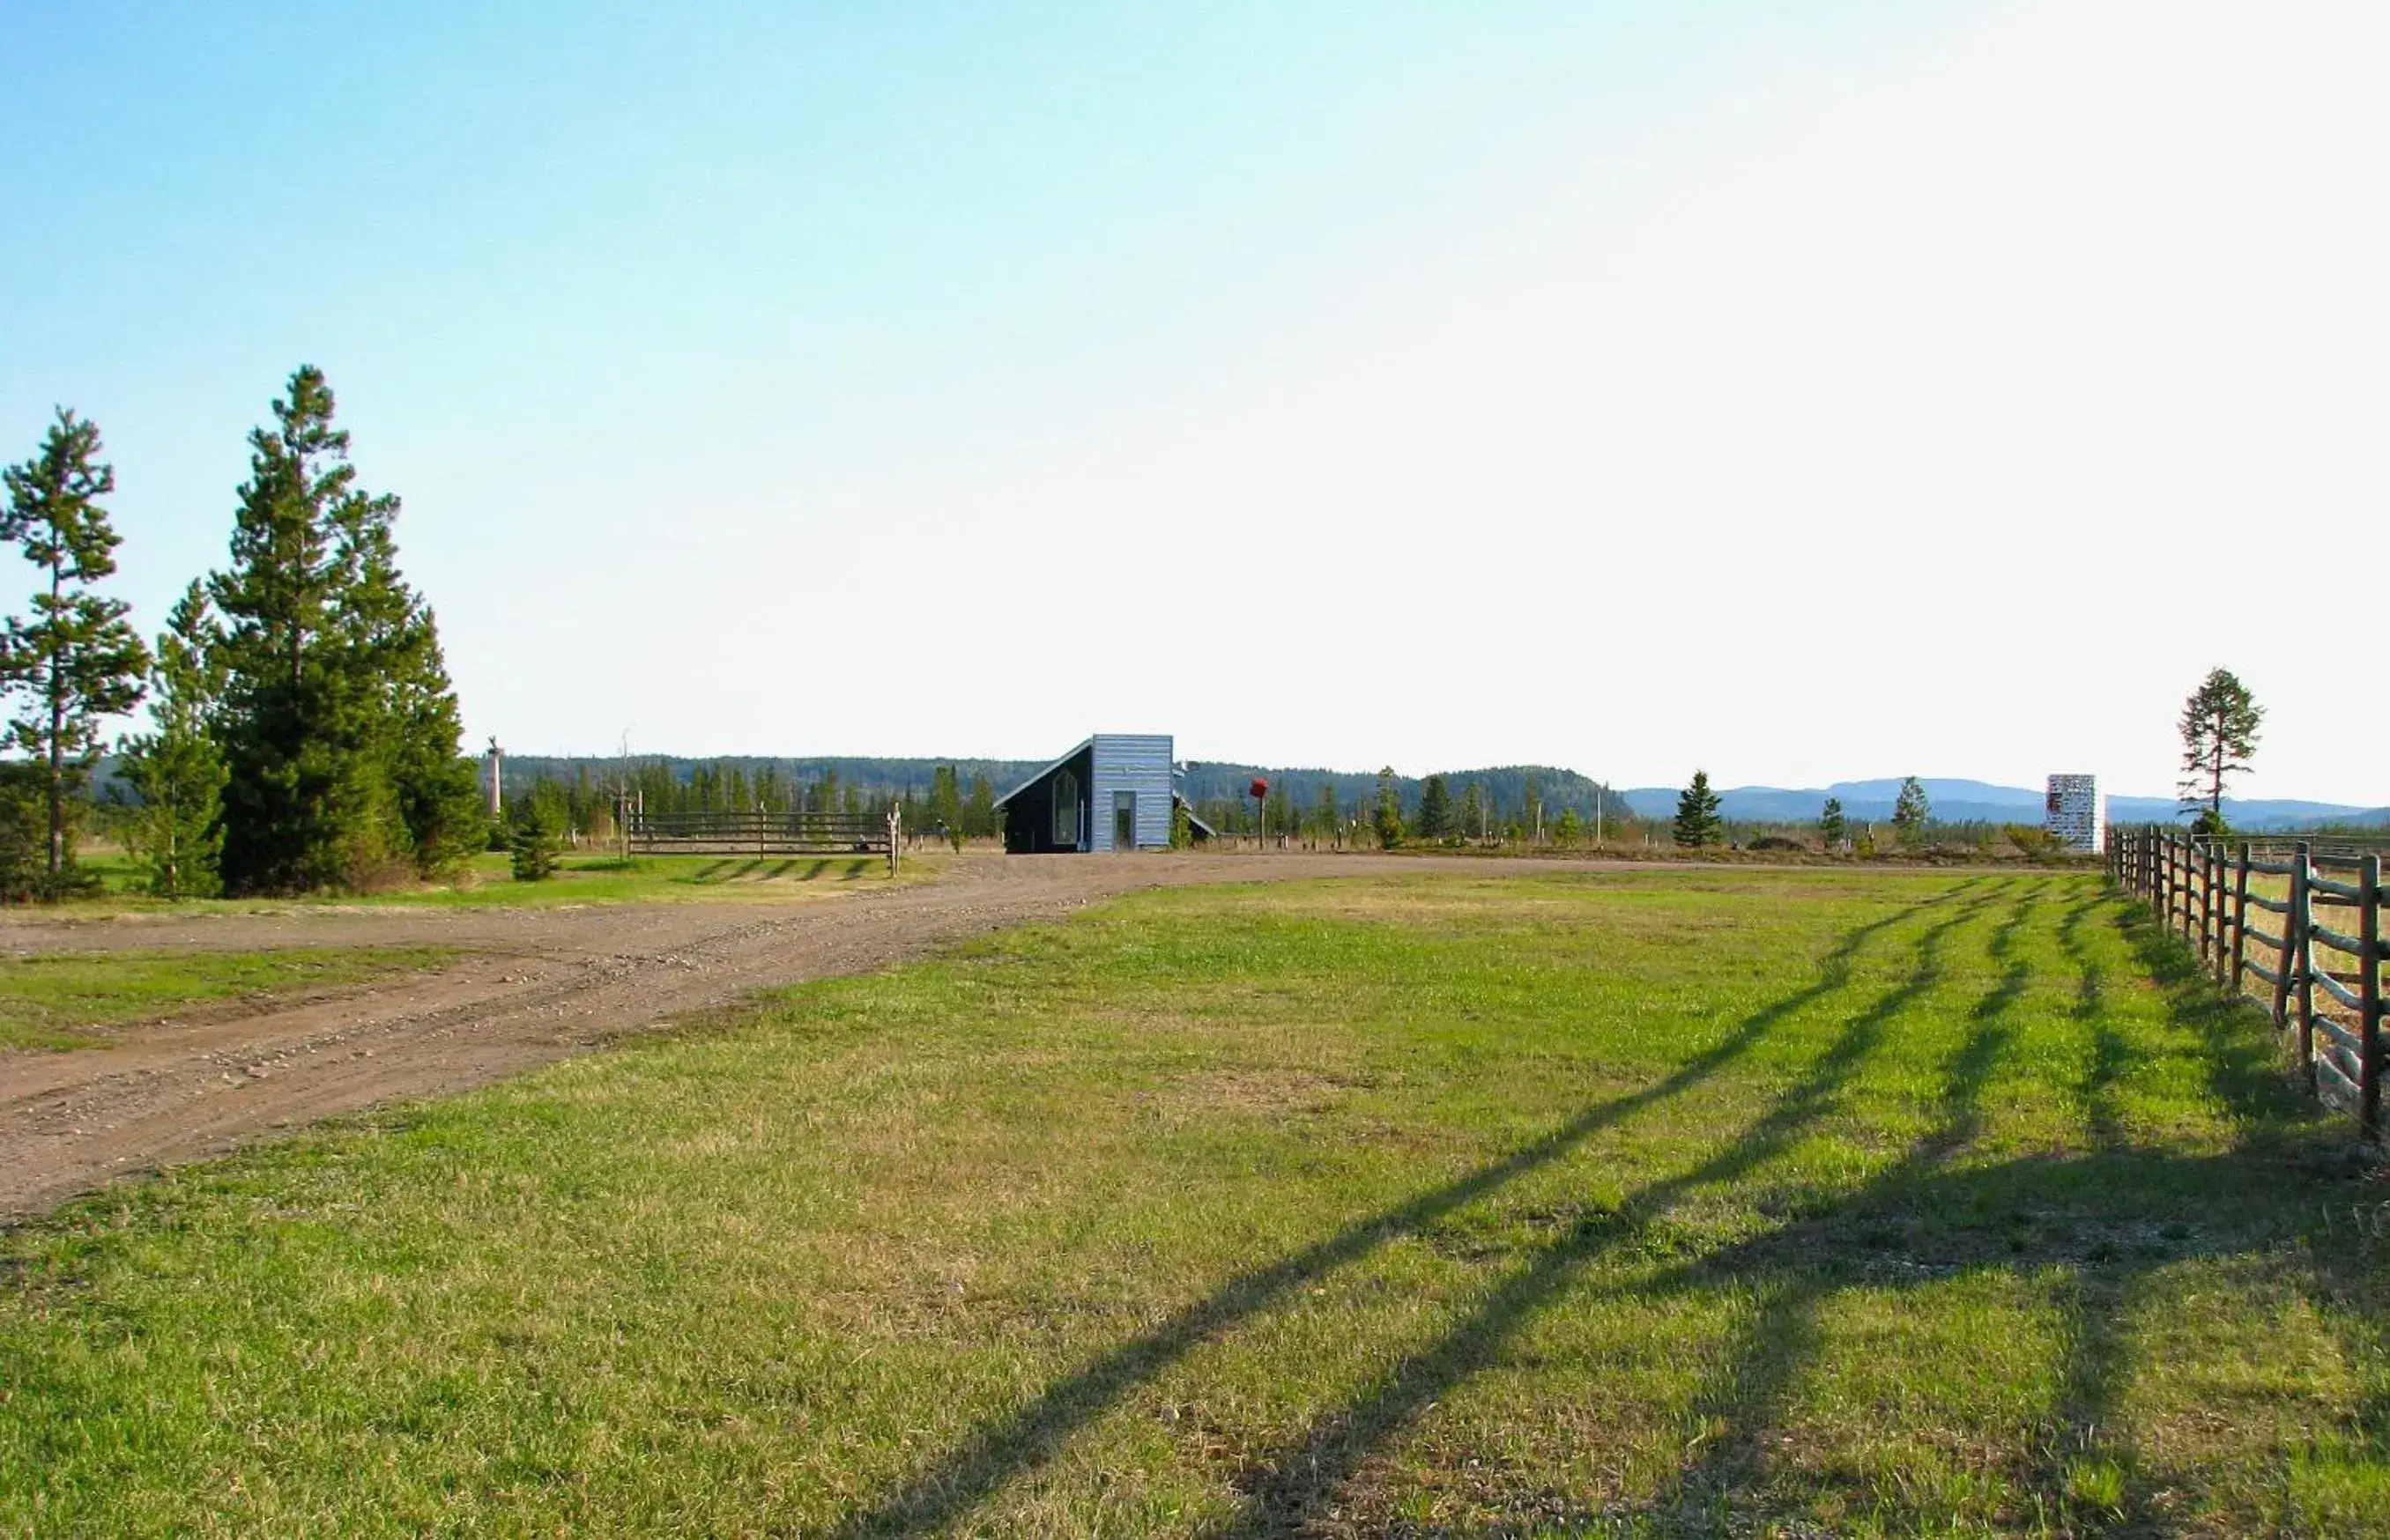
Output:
x=1910 y=811
x=2219 y=735
x=176 y=769
x=339 y=725
x=77 y=661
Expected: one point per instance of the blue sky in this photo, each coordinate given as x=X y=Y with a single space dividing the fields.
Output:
x=1775 y=388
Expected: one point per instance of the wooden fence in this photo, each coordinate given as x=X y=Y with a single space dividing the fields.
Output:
x=2323 y=977
x=764 y=834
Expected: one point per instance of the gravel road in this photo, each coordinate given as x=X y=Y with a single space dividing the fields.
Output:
x=535 y=985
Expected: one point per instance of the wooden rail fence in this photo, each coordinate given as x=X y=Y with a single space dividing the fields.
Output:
x=2324 y=979
x=764 y=834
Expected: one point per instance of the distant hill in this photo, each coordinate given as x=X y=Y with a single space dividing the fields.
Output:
x=1505 y=786
x=1981 y=802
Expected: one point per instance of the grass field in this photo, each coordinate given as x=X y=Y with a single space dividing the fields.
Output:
x=68 y=1000
x=486 y=880
x=1673 y=1202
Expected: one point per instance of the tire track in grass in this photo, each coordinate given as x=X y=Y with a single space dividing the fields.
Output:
x=1296 y=1483
x=1031 y=1436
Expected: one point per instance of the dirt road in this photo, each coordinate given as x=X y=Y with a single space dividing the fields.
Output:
x=538 y=984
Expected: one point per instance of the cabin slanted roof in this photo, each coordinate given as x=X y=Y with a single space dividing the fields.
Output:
x=1084 y=745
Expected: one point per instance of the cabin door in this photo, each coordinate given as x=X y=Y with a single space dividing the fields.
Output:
x=1123 y=820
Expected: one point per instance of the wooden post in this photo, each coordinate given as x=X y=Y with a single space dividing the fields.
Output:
x=2168 y=878
x=2239 y=916
x=2211 y=930
x=2299 y=954
x=2368 y=993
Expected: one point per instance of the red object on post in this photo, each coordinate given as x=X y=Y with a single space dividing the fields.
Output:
x=1260 y=789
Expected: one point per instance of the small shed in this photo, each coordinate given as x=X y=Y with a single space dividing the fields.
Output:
x=1113 y=792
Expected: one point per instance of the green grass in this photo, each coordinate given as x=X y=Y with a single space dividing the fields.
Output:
x=68 y=1000
x=1676 y=1202
x=487 y=882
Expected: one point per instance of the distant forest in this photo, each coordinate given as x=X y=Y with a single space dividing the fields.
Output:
x=585 y=788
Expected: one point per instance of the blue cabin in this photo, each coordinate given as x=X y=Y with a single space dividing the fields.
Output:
x=1113 y=792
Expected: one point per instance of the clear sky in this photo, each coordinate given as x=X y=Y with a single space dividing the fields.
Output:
x=1798 y=390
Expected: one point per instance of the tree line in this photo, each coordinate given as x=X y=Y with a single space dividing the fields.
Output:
x=303 y=734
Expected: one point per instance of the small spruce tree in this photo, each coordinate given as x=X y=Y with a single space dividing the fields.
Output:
x=1472 y=813
x=175 y=770
x=1697 y=814
x=535 y=839
x=1434 y=810
x=1389 y=816
x=1832 y=825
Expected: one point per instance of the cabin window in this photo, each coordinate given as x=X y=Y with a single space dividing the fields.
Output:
x=1066 y=810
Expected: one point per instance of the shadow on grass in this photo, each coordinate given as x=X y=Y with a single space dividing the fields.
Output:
x=2107 y=1219
x=1297 y=1481
x=1030 y=1436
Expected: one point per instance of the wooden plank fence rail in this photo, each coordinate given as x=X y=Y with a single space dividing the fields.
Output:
x=2328 y=942
x=718 y=833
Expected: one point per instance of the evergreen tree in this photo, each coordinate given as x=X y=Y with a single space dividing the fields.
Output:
x=1435 y=809
x=1324 y=819
x=1569 y=830
x=1697 y=813
x=1389 y=819
x=1831 y=826
x=2219 y=734
x=1473 y=811
x=176 y=769
x=534 y=839
x=946 y=804
x=77 y=659
x=339 y=725
x=1910 y=811
x=979 y=818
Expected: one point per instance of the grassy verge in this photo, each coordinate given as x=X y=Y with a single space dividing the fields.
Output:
x=1663 y=1202
x=68 y=1000
x=485 y=883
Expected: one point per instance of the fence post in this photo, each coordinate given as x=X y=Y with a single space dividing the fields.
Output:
x=2239 y=914
x=2216 y=911
x=2369 y=988
x=2205 y=916
x=2161 y=892
x=2300 y=955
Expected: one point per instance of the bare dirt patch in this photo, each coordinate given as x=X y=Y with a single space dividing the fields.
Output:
x=535 y=985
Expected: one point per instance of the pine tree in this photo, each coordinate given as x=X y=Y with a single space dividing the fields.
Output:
x=176 y=769
x=1473 y=811
x=1697 y=813
x=77 y=659
x=1910 y=811
x=946 y=804
x=1435 y=809
x=979 y=818
x=1569 y=830
x=1389 y=819
x=339 y=725
x=1831 y=826
x=2219 y=734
